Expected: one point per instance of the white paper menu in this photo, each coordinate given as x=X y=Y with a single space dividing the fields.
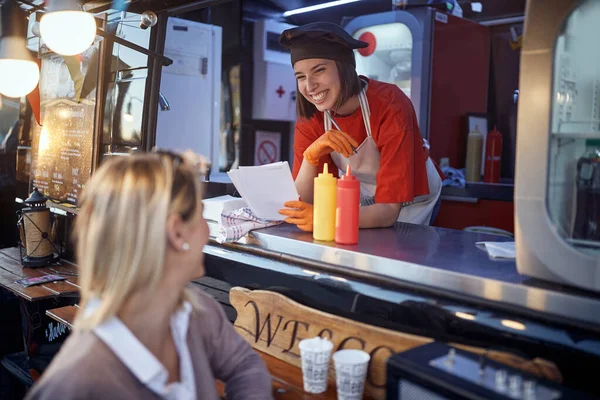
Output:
x=265 y=188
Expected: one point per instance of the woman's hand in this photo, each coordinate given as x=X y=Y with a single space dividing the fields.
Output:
x=331 y=140
x=302 y=215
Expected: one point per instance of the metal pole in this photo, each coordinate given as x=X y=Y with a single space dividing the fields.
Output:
x=166 y=61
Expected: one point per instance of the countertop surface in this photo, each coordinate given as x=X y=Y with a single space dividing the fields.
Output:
x=443 y=260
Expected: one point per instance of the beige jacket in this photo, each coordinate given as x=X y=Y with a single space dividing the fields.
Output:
x=85 y=368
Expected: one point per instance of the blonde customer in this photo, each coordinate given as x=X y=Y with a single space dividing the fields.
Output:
x=143 y=331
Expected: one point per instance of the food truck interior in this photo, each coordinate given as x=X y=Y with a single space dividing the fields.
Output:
x=211 y=76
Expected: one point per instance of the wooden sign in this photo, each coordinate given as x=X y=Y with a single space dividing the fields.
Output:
x=274 y=324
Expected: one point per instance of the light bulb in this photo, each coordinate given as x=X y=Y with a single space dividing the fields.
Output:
x=19 y=74
x=68 y=32
x=19 y=77
x=148 y=19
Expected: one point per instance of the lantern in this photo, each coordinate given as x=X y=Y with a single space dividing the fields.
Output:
x=37 y=250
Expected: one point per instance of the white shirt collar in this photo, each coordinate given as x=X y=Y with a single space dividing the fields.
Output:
x=141 y=362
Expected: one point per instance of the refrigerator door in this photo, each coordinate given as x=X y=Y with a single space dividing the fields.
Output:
x=399 y=52
x=557 y=192
x=191 y=87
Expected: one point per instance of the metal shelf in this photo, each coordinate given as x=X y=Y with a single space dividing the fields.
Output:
x=582 y=135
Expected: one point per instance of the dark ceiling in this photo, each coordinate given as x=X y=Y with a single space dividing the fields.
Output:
x=256 y=9
x=261 y=9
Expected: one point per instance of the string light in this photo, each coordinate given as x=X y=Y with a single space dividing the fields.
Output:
x=19 y=73
x=67 y=30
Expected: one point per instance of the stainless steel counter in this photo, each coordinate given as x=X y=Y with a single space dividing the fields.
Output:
x=474 y=191
x=429 y=258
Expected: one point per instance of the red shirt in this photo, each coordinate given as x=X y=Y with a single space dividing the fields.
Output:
x=402 y=175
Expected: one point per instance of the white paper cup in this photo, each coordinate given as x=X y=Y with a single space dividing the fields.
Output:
x=315 y=354
x=351 y=368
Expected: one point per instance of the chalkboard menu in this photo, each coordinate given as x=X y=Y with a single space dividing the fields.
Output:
x=63 y=146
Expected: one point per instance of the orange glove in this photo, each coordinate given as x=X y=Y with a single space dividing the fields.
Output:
x=331 y=140
x=302 y=216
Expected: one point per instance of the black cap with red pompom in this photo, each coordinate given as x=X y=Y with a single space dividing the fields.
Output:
x=320 y=40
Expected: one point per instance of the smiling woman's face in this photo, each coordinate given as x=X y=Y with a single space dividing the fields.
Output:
x=318 y=81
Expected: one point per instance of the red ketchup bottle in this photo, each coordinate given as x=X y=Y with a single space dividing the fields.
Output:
x=348 y=203
x=493 y=157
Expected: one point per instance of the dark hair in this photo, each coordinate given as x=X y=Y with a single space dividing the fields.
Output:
x=349 y=85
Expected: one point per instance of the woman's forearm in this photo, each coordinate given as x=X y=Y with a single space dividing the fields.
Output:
x=379 y=215
x=305 y=181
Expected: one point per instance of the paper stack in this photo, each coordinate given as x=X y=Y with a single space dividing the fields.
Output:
x=214 y=207
x=265 y=188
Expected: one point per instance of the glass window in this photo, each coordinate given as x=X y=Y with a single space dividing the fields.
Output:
x=62 y=146
x=389 y=55
x=230 y=119
x=9 y=114
x=573 y=197
x=126 y=85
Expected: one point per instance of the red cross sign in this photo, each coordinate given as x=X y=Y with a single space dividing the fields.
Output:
x=280 y=91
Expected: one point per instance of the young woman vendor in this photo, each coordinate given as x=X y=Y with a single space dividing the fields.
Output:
x=349 y=119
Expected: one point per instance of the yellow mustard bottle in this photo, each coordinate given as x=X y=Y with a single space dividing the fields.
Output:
x=325 y=203
x=474 y=153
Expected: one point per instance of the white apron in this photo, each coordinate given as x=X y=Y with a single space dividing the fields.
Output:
x=365 y=164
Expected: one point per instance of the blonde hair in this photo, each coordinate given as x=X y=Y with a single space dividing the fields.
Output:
x=120 y=231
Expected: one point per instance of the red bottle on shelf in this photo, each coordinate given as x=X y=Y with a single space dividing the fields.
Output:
x=493 y=157
x=347 y=211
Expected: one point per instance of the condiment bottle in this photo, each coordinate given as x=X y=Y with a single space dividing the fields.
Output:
x=324 y=206
x=474 y=148
x=587 y=183
x=348 y=204
x=493 y=156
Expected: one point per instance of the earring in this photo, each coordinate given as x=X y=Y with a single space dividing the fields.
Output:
x=185 y=246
